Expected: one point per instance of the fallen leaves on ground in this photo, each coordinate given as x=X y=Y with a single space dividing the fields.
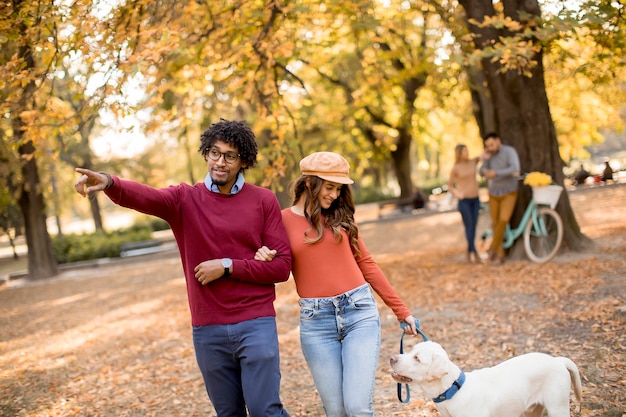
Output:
x=116 y=340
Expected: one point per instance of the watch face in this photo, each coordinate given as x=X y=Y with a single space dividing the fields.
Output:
x=227 y=262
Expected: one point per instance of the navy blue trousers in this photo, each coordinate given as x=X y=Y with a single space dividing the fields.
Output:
x=469 y=208
x=240 y=366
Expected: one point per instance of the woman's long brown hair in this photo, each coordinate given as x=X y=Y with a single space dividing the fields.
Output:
x=339 y=216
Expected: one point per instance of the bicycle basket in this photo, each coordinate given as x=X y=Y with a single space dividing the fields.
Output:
x=548 y=195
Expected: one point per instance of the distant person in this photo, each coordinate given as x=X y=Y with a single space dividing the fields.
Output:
x=501 y=166
x=607 y=174
x=464 y=187
x=581 y=176
x=334 y=275
x=219 y=224
x=419 y=199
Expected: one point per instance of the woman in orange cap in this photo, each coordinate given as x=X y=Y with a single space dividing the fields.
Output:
x=333 y=272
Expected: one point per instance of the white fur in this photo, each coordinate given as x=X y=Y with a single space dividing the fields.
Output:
x=519 y=387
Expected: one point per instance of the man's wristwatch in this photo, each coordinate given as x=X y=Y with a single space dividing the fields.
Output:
x=227 y=263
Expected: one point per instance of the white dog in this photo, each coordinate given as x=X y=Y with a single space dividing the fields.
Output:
x=521 y=386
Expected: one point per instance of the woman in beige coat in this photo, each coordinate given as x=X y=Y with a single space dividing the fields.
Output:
x=464 y=186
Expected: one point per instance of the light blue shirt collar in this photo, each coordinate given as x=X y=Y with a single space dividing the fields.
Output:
x=237 y=186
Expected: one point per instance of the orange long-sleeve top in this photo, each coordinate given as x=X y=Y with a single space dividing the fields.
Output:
x=328 y=268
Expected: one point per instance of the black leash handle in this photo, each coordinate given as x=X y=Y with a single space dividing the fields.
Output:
x=403 y=325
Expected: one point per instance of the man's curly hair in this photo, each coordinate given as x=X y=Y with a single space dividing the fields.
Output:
x=235 y=133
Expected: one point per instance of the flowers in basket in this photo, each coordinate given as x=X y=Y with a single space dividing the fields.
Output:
x=537 y=179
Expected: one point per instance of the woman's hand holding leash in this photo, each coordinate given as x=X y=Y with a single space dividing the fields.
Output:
x=410 y=325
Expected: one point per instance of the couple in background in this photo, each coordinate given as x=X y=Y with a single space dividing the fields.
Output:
x=500 y=165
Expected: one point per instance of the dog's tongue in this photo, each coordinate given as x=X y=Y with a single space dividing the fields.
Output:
x=401 y=378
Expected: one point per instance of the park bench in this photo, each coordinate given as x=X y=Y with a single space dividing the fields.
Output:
x=440 y=203
x=405 y=205
x=144 y=247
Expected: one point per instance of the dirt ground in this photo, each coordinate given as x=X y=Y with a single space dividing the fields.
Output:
x=115 y=340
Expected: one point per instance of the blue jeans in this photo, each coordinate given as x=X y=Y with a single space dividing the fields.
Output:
x=340 y=338
x=240 y=366
x=469 y=208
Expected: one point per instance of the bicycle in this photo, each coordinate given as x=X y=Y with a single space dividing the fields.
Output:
x=540 y=225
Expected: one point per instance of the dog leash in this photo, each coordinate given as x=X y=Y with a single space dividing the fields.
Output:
x=403 y=325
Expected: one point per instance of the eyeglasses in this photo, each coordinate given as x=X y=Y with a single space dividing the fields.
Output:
x=230 y=156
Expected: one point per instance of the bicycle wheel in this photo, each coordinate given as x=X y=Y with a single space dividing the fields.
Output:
x=542 y=239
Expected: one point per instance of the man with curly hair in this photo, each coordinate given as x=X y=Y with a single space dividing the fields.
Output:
x=218 y=226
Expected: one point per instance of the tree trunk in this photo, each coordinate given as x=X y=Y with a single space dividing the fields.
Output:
x=41 y=261
x=12 y=243
x=96 y=214
x=185 y=142
x=81 y=156
x=401 y=157
x=521 y=112
x=85 y=129
x=482 y=105
x=55 y=200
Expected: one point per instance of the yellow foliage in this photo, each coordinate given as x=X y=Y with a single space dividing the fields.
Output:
x=29 y=116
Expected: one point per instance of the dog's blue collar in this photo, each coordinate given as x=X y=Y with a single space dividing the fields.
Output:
x=449 y=393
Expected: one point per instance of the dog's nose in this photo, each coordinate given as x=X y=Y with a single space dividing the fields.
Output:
x=393 y=359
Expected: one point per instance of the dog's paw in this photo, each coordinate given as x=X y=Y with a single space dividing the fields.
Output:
x=401 y=378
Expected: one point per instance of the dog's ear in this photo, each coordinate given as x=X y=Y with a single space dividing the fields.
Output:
x=438 y=367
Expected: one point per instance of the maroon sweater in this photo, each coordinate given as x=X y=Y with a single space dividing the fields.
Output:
x=209 y=225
